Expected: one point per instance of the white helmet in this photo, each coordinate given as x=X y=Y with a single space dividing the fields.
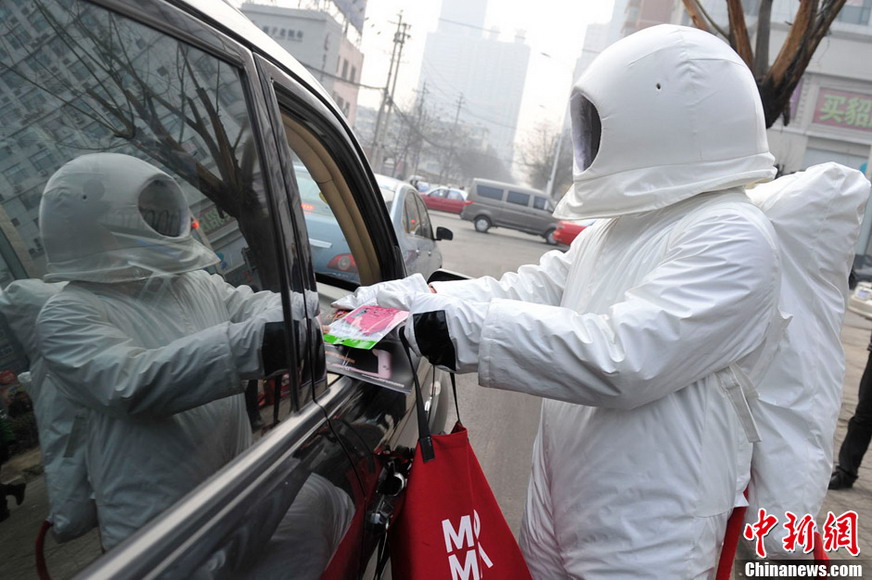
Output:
x=108 y=217
x=660 y=116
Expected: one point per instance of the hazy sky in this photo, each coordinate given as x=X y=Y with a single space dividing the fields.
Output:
x=554 y=27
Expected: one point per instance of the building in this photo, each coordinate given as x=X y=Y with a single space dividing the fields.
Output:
x=639 y=14
x=323 y=44
x=831 y=109
x=472 y=77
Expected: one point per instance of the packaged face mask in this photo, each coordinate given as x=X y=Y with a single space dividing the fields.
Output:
x=364 y=326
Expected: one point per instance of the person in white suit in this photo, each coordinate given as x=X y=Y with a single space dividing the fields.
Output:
x=154 y=349
x=641 y=336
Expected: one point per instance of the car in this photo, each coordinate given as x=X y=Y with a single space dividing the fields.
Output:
x=196 y=90
x=500 y=204
x=415 y=231
x=567 y=231
x=331 y=256
x=445 y=199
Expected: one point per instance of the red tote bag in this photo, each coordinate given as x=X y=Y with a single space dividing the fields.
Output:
x=450 y=525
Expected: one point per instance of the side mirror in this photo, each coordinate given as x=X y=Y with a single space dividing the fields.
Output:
x=444 y=233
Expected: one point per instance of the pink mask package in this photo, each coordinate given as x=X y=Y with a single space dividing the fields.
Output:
x=364 y=326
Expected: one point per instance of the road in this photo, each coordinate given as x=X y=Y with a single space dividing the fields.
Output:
x=502 y=424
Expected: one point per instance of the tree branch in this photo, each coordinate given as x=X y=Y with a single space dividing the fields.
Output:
x=739 y=32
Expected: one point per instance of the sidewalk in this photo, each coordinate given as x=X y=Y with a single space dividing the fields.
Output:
x=855 y=338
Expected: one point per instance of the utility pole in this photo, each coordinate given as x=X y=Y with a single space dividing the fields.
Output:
x=446 y=169
x=419 y=123
x=549 y=187
x=383 y=117
x=412 y=138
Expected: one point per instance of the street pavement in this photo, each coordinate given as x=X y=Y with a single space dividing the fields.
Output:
x=855 y=338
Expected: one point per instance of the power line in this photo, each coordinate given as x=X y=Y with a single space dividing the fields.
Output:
x=473 y=26
x=384 y=111
x=312 y=69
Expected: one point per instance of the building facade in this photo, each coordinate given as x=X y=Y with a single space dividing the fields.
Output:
x=473 y=76
x=321 y=43
x=831 y=109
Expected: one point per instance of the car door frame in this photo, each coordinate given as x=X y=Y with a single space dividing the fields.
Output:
x=356 y=397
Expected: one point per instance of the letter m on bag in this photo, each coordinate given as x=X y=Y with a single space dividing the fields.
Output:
x=459 y=538
x=465 y=537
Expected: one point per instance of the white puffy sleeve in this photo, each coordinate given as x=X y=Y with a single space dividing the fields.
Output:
x=705 y=304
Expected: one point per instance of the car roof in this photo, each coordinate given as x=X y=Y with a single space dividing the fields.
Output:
x=389 y=186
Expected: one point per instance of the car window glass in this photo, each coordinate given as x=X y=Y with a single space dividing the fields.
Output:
x=412 y=217
x=438 y=193
x=490 y=192
x=539 y=202
x=153 y=260
x=518 y=198
x=331 y=254
x=425 y=230
x=454 y=195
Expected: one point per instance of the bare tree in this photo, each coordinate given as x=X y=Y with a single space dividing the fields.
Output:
x=537 y=158
x=117 y=94
x=776 y=81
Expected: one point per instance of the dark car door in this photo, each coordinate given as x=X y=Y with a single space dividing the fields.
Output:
x=315 y=143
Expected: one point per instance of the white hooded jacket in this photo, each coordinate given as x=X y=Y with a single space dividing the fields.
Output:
x=153 y=348
x=637 y=336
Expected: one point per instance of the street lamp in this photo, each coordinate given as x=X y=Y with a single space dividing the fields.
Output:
x=549 y=187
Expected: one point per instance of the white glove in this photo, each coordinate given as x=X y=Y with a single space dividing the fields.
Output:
x=390 y=294
x=446 y=330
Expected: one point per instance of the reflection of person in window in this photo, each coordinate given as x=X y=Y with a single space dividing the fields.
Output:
x=154 y=347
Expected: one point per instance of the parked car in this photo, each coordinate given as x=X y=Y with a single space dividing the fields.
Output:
x=568 y=230
x=413 y=227
x=260 y=153
x=417 y=238
x=445 y=199
x=497 y=204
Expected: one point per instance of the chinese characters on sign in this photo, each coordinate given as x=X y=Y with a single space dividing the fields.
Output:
x=837 y=532
x=843 y=109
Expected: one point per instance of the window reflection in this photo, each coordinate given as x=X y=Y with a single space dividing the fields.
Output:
x=123 y=337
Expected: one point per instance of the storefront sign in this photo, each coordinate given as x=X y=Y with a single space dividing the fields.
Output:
x=843 y=109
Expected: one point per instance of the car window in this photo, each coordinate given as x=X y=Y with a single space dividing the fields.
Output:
x=518 y=198
x=411 y=215
x=540 y=202
x=490 y=192
x=438 y=193
x=455 y=195
x=425 y=230
x=331 y=254
x=137 y=253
